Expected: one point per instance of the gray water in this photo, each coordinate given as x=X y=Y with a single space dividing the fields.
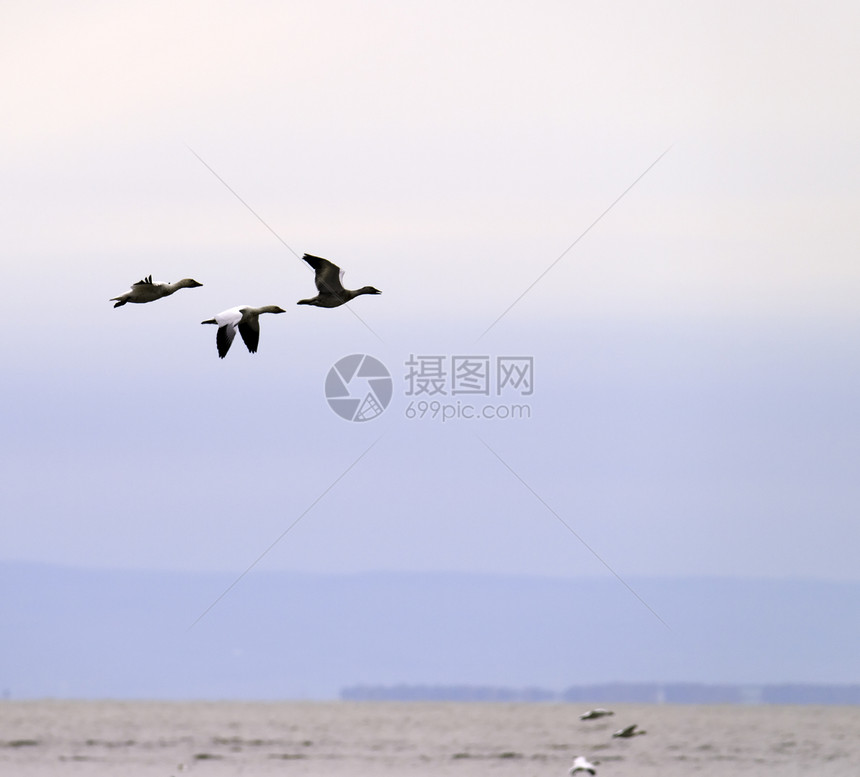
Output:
x=137 y=739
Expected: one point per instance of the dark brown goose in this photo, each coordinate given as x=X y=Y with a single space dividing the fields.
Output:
x=329 y=283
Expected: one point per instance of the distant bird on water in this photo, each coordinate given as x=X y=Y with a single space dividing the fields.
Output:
x=147 y=291
x=243 y=318
x=580 y=764
x=597 y=712
x=628 y=731
x=329 y=283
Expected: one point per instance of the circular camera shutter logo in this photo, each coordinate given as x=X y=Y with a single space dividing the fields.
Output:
x=358 y=387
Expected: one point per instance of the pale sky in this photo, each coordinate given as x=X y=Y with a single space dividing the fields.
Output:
x=694 y=409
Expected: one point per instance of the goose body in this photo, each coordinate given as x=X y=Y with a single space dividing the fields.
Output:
x=244 y=318
x=628 y=731
x=581 y=764
x=329 y=282
x=598 y=712
x=147 y=291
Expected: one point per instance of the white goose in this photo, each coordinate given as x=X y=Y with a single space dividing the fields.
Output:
x=246 y=320
x=597 y=712
x=147 y=291
x=581 y=764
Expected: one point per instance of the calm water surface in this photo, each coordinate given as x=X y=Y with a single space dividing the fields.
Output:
x=139 y=739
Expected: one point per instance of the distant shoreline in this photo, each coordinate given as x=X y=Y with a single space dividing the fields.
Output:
x=619 y=693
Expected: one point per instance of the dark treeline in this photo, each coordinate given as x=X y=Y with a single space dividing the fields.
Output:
x=646 y=693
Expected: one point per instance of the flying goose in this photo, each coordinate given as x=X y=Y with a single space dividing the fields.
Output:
x=628 y=731
x=328 y=280
x=246 y=319
x=597 y=712
x=581 y=764
x=147 y=291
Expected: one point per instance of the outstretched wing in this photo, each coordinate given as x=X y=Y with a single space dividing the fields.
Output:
x=250 y=331
x=147 y=281
x=328 y=275
x=224 y=338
